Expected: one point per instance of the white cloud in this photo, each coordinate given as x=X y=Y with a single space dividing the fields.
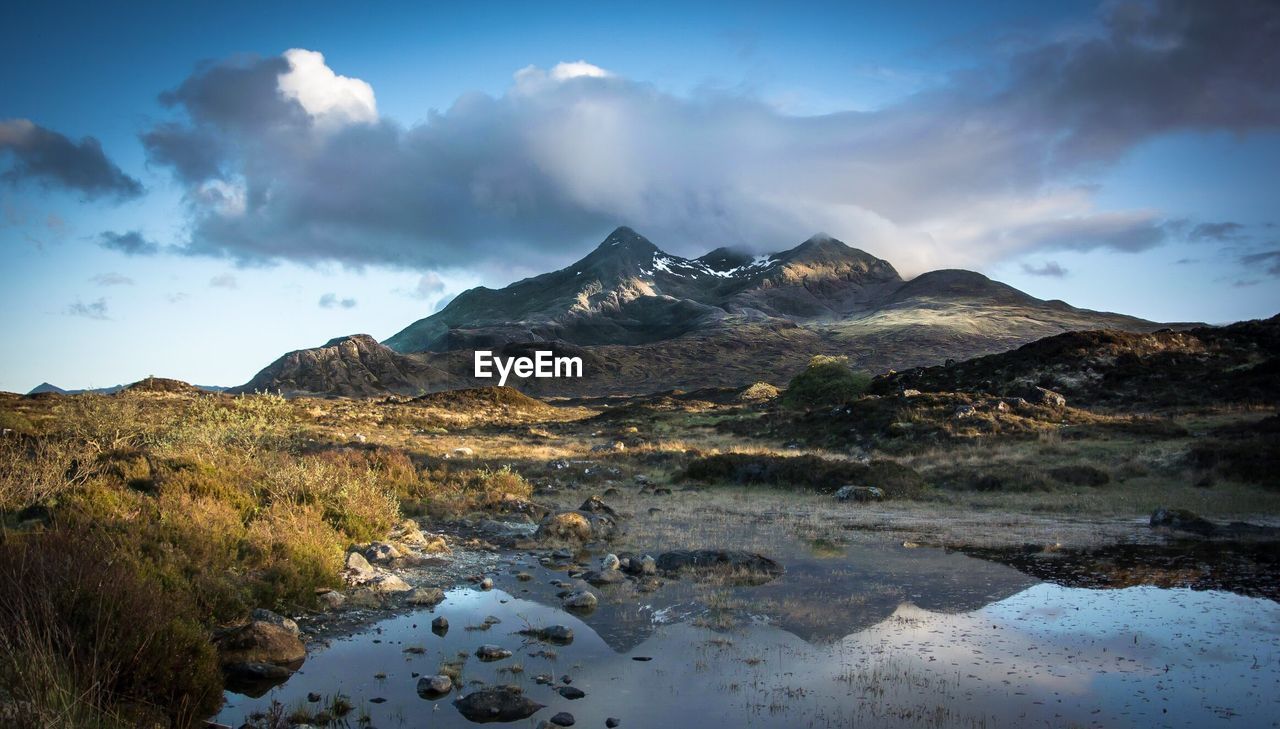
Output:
x=329 y=98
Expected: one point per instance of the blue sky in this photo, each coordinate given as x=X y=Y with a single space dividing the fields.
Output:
x=1117 y=156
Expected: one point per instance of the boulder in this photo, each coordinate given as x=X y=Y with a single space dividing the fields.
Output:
x=1044 y=396
x=859 y=493
x=358 y=569
x=558 y=634
x=1182 y=520
x=576 y=526
x=440 y=625
x=595 y=505
x=604 y=577
x=492 y=653
x=502 y=703
x=433 y=687
x=583 y=600
x=381 y=553
x=747 y=566
x=426 y=597
x=609 y=562
x=258 y=641
x=638 y=565
x=332 y=599
x=388 y=583
x=563 y=718
x=266 y=616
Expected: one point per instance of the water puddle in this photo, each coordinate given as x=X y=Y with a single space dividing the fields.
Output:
x=865 y=636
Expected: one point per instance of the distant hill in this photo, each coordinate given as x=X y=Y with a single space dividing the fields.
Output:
x=153 y=384
x=645 y=320
x=1238 y=363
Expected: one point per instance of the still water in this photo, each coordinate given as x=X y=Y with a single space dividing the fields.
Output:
x=860 y=636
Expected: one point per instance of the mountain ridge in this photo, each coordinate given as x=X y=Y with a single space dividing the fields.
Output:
x=648 y=320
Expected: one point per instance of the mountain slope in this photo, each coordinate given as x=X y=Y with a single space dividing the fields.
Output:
x=646 y=320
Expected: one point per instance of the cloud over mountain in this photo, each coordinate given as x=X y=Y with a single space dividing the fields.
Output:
x=282 y=158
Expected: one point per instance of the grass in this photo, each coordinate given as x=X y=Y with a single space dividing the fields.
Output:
x=217 y=503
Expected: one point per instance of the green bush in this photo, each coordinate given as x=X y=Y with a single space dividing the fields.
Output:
x=826 y=381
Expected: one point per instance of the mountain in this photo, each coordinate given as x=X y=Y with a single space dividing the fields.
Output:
x=353 y=366
x=646 y=320
x=44 y=387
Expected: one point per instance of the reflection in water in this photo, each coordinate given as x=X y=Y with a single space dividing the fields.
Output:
x=921 y=647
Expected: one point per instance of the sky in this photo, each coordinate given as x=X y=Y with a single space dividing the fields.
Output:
x=191 y=190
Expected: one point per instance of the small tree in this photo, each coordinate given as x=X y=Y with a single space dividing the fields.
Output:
x=826 y=381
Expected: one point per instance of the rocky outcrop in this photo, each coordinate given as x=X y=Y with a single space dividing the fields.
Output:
x=352 y=366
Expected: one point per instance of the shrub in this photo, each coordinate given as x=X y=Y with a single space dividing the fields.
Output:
x=84 y=641
x=826 y=381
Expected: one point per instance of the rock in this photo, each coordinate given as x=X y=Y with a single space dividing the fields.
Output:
x=576 y=526
x=426 y=597
x=963 y=411
x=1182 y=520
x=259 y=642
x=332 y=599
x=388 y=583
x=564 y=718
x=557 y=634
x=266 y=616
x=611 y=722
x=604 y=577
x=859 y=493
x=502 y=703
x=381 y=553
x=462 y=452
x=641 y=479
x=595 y=505
x=492 y=653
x=524 y=576
x=1044 y=396
x=486 y=583
x=440 y=625
x=910 y=393
x=609 y=562
x=433 y=687
x=583 y=600
x=544 y=679
x=662 y=491
x=615 y=447
x=750 y=567
x=358 y=568
x=573 y=693
x=638 y=565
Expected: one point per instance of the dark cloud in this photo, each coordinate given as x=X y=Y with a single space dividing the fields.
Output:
x=112 y=279
x=92 y=310
x=1152 y=68
x=1267 y=260
x=987 y=165
x=130 y=243
x=1220 y=232
x=329 y=301
x=1048 y=268
x=192 y=155
x=46 y=157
